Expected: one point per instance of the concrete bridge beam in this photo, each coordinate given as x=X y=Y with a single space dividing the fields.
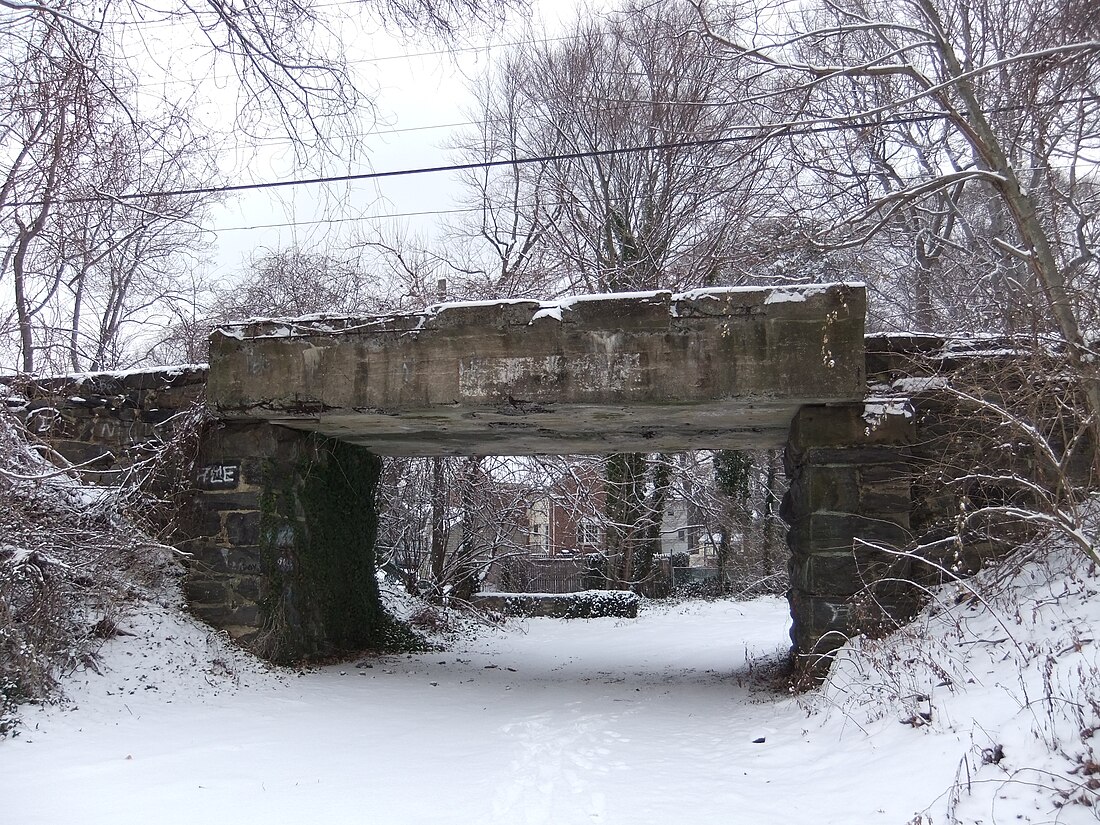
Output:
x=594 y=374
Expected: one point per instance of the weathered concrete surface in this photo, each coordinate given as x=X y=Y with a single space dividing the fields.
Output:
x=637 y=372
x=848 y=507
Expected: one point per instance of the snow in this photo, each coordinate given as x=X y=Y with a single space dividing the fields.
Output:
x=434 y=309
x=652 y=720
x=915 y=385
x=711 y=293
x=232 y=330
x=785 y=296
x=877 y=410
x=1009 y=664
x=646 y=295
x=170 y=371
x=547 y=311
x=580 y=595
x=777 y=294
x=312 y=324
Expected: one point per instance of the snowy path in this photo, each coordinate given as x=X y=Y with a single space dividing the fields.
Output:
x=608 y=721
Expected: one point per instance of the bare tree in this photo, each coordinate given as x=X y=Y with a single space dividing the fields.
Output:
x=291 y=282
x=126 y=268
x=979 y=106
x=653 y=194
x=445 y=522
x=741 y=498
x=288 y=58
x=83 y=266
x=639 y=187
x=288 y=282
x=87 y=154
x=48 y=92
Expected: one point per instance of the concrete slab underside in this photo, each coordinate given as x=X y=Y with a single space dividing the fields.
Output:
x=597 y=374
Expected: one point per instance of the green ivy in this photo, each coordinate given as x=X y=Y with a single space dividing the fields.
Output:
x=319 y=524
x=732 y=471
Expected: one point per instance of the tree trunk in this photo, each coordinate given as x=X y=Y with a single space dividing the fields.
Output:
x=1037 y=250
x=438 y=556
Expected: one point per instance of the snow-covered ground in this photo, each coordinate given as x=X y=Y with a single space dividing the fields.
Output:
x=653 y=720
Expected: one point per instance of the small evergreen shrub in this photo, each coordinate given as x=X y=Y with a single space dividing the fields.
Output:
x=588 y=604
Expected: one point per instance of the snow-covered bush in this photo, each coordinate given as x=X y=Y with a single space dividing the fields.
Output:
x=1024 y=627
x=71 y=563
x=587 y=604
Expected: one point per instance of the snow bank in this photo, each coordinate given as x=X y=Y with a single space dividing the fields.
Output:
x=1007 y=663
x=970 y=716
x=983 y=711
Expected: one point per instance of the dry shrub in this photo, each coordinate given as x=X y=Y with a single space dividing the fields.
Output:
x=71 y=564
x=430 y=618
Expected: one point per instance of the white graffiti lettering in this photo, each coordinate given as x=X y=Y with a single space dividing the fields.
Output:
x=218 y=476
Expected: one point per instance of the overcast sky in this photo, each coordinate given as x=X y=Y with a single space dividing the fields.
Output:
x=422 y=93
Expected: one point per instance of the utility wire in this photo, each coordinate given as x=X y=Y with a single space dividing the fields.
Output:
x=769 y=132
x=353 y=219
x=770 y=189
x=761 y=133
x=617 y=107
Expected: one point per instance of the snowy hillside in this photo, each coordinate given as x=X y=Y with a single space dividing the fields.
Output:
x=981 y=712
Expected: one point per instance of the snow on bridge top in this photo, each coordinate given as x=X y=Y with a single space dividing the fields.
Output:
x=593 y=373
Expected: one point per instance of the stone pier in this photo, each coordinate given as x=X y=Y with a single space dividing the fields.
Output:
x=282 y=541
x=848 y=507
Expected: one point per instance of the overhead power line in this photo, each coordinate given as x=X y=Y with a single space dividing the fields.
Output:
x=767 y=132
x=350 y=219
x=760 y=133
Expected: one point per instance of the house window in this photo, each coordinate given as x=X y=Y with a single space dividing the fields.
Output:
x=537 y=538
x=588 y=534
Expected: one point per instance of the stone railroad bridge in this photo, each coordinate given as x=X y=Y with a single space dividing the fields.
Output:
x=282 y=527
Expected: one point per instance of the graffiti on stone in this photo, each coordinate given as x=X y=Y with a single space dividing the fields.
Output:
x=218 y=476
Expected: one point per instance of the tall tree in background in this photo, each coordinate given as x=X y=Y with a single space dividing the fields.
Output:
x=748 y=486
x=671 y=209
x=636 y=487
x=288 y=283
x=84 y=257
x=651 y=195
x=982 y=120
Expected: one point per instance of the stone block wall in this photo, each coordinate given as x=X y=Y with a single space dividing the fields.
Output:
x=880 y=492
x=279 y=524
x=282 y=534
x=105 y=423
x=227 y=568
x=965 y=455
x=848 y=507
